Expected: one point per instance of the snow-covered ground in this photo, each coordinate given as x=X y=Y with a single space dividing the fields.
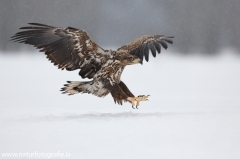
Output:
x=193 y=112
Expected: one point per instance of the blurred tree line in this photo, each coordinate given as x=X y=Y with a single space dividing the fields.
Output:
x=205 y=26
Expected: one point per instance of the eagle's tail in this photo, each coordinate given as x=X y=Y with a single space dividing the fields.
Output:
x=74 y=87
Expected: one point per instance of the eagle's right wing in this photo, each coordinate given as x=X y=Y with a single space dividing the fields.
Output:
x=68 y=48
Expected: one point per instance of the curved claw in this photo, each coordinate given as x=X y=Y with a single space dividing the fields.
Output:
x=137 y=100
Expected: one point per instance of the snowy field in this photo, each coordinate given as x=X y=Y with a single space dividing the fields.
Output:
x=193 y=112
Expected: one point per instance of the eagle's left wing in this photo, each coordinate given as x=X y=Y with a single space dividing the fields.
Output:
x=67 y=48
x=140 y=46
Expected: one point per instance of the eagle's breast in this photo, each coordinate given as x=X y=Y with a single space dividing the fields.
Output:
x=111 y=70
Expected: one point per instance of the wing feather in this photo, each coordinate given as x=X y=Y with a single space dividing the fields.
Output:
x=151 y=47
x=140 y=46
x=145 y=53
x=157 y=46
x=68 y=48
x=163 y=43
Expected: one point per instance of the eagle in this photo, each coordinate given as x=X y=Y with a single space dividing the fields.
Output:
x=72 y=49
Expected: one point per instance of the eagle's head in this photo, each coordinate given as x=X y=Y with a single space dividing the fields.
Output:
x=127 y=59
x=136 y=60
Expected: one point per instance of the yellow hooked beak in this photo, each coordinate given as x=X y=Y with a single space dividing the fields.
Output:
x=138 y=60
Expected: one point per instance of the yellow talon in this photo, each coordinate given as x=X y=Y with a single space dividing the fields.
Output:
x=137 y=100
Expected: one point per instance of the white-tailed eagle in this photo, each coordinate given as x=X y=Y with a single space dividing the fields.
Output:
x=72 y=49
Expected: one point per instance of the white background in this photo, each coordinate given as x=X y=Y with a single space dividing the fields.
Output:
x=193 y=112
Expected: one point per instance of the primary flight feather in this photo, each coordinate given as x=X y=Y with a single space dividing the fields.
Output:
x=72 y=49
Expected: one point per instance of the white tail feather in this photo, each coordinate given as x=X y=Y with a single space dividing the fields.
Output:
x=93 y=87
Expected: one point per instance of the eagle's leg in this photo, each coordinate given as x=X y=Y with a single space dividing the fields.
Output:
x=137 y=104
x=133 y=103
x=132 y=100
x=137 y=100
x=130 y=97
x=140 y=98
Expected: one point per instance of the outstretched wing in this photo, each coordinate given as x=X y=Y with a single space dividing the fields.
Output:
x=68 y=48
x=140 y=46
